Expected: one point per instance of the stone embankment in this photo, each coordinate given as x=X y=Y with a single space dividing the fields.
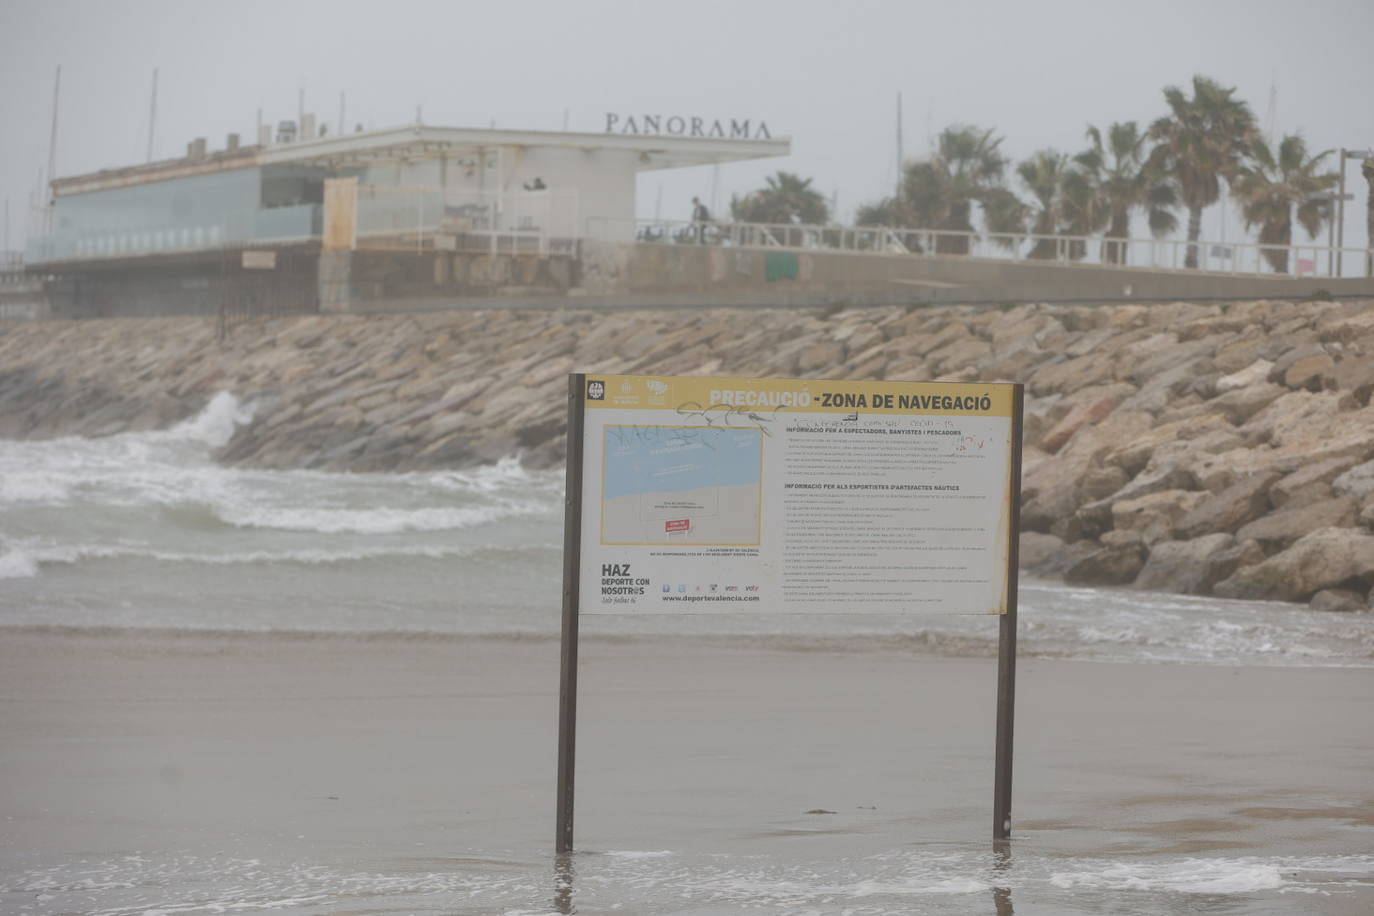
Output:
x=1218 y=449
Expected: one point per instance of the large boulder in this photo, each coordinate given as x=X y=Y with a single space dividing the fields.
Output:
x=1296 y=356
x=1053 y=488
x=1159 y=391
x=1289 y=413
x=1235 y=355
x=1240 y=404
x=1154 y=515
x=1309 y=371
x=1116 y=562
x=1067 y=557
x=1354 y=376
x=1326 y=558
x=1041 y=415
x=1358 y=482
x=1346 y=326
x=1223 y=564
x=1310 y=483
x=1182 y=566
x=1253 y=375
x=1279 y=529
x=1037 y=550
x=1243 y=501
x=1339 y=600
x=1082 y=414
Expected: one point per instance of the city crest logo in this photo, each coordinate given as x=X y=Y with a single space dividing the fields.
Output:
x=596 y=391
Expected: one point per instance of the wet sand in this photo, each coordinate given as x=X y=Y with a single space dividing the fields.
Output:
x=353 y=774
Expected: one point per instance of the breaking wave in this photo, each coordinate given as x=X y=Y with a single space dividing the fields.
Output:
x=146 y=530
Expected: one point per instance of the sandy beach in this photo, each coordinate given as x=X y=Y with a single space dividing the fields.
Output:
x=147 y=771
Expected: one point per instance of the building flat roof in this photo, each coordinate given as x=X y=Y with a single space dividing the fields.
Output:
x=421 y=141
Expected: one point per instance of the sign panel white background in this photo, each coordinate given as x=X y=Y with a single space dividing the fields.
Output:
x=794 y=496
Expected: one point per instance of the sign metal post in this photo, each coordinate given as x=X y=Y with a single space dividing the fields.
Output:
x=1006 y=642
x=572 y=559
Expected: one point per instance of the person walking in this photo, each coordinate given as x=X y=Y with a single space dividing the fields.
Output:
x=700 y=217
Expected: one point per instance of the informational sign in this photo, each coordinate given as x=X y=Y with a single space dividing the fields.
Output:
x=794 y=496
x=789 y=496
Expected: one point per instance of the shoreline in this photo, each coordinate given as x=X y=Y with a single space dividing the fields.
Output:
x=915 y=642
x=376 y=759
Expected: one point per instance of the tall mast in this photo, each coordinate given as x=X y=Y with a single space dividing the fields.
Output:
x=52 y=139
x=152 y=116
x=899 y=147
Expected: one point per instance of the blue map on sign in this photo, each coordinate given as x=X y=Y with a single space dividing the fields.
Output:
x=641 y=461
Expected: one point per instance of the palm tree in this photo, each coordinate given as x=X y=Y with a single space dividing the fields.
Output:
x=1123 y=180
x=1044 y=175
x=939 y=192
x=1068 y=204
x=1200 y=142
x=787 y=198
x=1273 y=185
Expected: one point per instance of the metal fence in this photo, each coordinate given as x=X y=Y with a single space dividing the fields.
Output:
x=1159 y=254
x=22 y=294
x=266 y=282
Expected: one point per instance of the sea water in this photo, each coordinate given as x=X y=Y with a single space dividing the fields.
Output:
x=146 y=531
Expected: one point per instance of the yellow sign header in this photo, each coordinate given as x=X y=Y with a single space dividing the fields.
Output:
x=744 y=395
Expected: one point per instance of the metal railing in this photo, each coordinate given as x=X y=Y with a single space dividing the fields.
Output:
x=1236 y=258
x=541 y=222
x=22 y=294
x=270 y=225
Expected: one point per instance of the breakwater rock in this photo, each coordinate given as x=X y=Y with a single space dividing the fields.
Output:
x=1217 y=449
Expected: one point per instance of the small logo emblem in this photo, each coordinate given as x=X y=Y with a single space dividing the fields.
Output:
x=657 y=387
x=596 y=391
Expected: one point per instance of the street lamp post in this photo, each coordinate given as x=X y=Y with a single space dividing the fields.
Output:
x=1360 y=154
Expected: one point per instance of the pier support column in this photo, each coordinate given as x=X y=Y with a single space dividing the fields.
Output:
x=336 y=282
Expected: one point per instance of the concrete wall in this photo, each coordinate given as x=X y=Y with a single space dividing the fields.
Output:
x=200 y=284
x=372 y=281
x=781 y=276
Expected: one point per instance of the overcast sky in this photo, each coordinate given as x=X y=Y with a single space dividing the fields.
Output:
x=825 y=74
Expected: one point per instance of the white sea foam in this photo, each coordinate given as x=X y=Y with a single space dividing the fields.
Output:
x=639 y=853
x=25 y=560
x=15 y=564
x=1212 y=876
x=893 y=883
x=1194 y=876
x=376 y=521
x=214 y=426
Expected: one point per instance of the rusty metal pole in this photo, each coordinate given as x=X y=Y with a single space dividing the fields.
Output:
x=1006 y=643
x=572 y=560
